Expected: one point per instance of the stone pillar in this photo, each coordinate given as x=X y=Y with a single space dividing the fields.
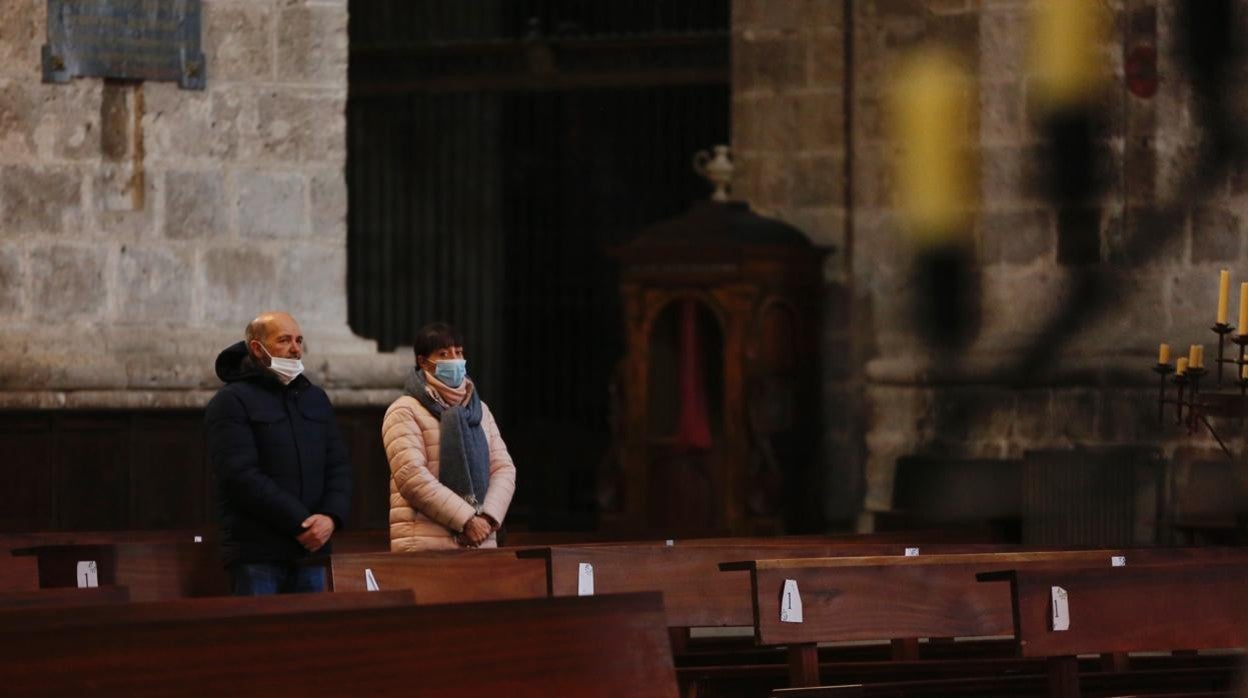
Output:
x=789 y=109
x=144 y=225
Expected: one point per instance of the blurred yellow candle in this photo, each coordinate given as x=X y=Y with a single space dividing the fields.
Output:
x=1066 y=51
x=1224 y=295
x=1163 y=354
x=1243 y=371
x=1193 y=356
x=930 y=116
x=1180 y=366
x=1243 y=308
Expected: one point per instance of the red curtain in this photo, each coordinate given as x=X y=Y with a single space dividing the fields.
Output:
x=693 y=430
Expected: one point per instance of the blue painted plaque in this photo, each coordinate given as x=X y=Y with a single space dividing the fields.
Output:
x=126 y=39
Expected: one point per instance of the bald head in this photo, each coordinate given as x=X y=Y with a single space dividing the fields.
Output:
x=278 y=333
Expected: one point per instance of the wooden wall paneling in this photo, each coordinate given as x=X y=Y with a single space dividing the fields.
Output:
x=91 y=477
x=370 y=502
x=168 y=481
x=145 y=469
x=26 y=472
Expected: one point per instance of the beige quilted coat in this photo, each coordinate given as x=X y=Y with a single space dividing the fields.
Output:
x=424 y=513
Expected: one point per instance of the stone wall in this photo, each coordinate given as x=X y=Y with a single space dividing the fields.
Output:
x=789 y=110
x=1159 y=261
x=144 y=225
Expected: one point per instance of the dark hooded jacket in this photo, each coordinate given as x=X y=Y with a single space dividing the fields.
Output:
x=278 y=459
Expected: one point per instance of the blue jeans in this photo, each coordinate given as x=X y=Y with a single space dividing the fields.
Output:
x=263 y=578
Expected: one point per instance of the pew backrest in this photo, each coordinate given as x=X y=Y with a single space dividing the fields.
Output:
x=885 y=598
x=602 y=646
x=1137 y=609
x=152 y=571
x=695 y=593
x=442 y=577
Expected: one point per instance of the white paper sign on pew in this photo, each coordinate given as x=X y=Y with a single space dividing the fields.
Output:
x=370 y=582
x=790 y=603
x=585 y=579
x=1118 y=561
x=88 y=574
x=912 y=552
x=1061 y=609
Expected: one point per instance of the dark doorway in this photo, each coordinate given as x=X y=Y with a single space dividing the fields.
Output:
x=497 y=150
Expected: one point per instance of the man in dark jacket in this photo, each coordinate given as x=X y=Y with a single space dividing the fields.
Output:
x=283 y=477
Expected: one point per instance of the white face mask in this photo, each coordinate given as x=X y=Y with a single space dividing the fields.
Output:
x=286 y=369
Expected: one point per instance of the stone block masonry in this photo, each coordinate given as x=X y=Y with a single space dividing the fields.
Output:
x=149 y=223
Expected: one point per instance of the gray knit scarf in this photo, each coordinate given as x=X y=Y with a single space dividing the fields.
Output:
x=464 y=451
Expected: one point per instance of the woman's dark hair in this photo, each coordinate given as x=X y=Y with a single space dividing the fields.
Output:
x=435 y=336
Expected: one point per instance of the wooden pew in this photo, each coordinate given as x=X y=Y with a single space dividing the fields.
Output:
x=117 y=616
x=153 y=571
x=601 y=646
x=444 y=576
x=1142 y=608
x=500 y=573
x=19 y=573
x=63 y=598
x=695 y=593
x=903 y=599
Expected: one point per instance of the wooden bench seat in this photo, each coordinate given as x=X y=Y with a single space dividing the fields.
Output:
x=601 y=646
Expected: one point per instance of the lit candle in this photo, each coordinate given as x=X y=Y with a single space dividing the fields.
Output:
x=1163 y=354
x=1224 y=295
x=930 y=118
x=1193 y=356
x=1243 y=308
x=1180 y=366
x=1243 y=372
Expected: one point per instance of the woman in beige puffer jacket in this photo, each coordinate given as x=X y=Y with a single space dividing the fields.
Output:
x=426 y=514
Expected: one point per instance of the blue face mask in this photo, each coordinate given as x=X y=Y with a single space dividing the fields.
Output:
x=451 y=371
